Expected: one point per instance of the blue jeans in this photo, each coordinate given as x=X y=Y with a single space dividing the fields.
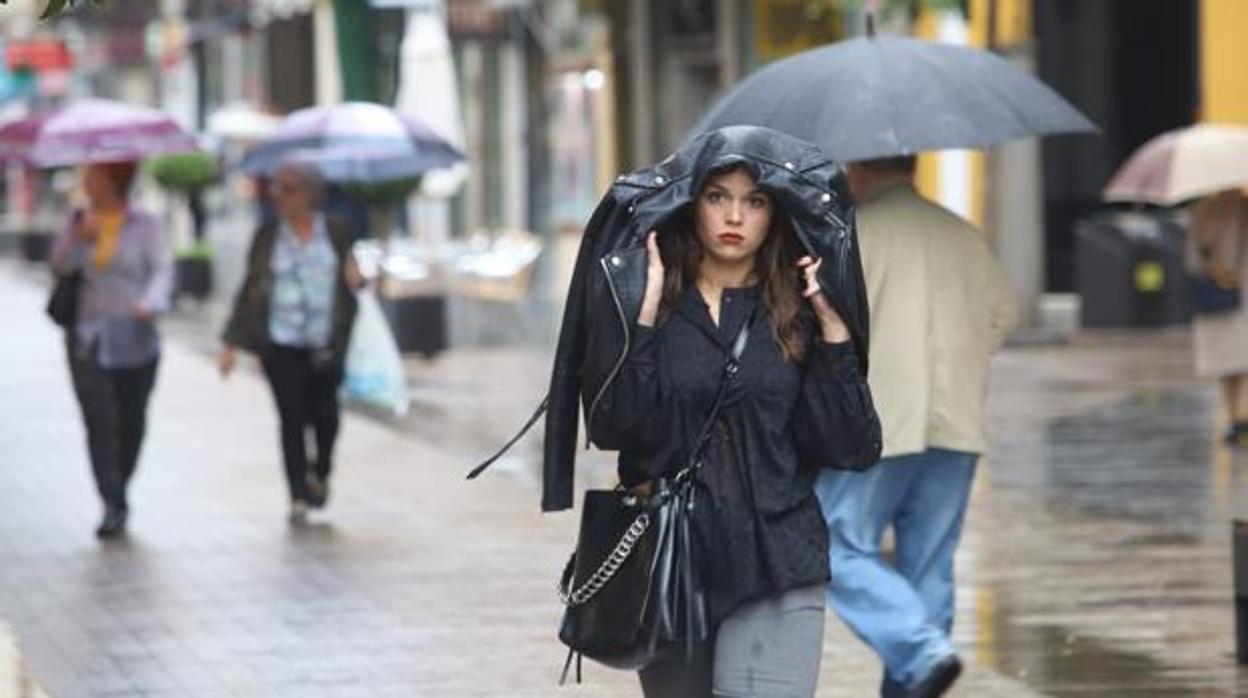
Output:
x=904 y=612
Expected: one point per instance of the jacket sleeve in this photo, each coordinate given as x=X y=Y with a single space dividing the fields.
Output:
x=236 y=332
x=158 y=294
x=633 y=412
x=835 y=424
x=562 y=420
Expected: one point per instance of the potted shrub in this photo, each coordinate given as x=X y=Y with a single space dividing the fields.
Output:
x=188 y=174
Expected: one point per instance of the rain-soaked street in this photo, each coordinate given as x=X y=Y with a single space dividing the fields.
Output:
x=1096 y=560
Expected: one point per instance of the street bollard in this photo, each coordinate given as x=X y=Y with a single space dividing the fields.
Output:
x=1239 y=564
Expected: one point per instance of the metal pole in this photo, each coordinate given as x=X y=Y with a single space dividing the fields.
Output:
x=1239 y=565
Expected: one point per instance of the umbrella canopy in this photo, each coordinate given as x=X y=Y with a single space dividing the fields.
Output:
x=93 y=130
x=357 y=142
x=883 y=96
x=242 y=121
x=1183 y=164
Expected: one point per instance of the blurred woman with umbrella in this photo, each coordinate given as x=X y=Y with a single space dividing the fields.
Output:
x=295 y=310
x=1216 y=250
x=127 y=275
x=116 y=274
x=1207 y=164
x=296 y=306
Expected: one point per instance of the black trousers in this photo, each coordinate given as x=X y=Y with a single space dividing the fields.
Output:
x=114 y=410
x=306 y=394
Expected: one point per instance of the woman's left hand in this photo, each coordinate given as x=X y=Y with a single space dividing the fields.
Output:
x=142 y=312
x=831 y=326
x=352 y=275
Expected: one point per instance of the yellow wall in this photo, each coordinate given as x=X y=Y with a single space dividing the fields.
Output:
x=1223 y=60
x=1013 y=26
x=927 y=174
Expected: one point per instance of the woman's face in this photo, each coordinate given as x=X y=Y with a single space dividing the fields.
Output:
x=98 y=186
x=292 y=194
x=732 y=217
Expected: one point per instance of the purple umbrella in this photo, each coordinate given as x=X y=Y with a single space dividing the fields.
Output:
x=93 y=130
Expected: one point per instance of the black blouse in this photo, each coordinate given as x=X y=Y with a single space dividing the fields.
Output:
x=758 y=523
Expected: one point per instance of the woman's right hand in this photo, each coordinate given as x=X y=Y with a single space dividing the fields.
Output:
x=654 y=282
x=85 y=228
x=226 y=360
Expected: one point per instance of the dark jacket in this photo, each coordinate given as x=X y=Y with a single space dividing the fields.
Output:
x=248 y=326
x=609 y=277
x=758 y=527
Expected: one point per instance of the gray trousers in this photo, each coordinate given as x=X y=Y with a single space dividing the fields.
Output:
x=114 y=411
x=765 y=649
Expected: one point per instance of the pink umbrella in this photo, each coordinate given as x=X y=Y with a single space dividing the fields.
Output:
x=93 y=130
x=1183 y=164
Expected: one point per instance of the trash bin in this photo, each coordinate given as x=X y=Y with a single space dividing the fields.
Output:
x=418 y=323
x=1129 y=269
x=36 y=245
x=411 y=293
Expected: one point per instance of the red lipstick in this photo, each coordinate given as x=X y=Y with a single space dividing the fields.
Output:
x=730 y=238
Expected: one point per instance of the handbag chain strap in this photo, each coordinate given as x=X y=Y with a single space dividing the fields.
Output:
x=607 y=569
x=609 y=566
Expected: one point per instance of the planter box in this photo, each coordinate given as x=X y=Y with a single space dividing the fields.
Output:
x=194 y=277
x=36 y=245
x=418 y=323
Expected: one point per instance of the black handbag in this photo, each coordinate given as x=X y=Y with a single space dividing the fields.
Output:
x=63 y=303
x=631 y=588
x=1209 y=298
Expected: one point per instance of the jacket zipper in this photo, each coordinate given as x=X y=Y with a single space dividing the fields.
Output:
x=619 y=309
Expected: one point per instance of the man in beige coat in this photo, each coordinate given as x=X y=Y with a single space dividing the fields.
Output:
x=940 y=307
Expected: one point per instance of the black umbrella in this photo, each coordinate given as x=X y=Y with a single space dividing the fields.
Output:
x=882 y=96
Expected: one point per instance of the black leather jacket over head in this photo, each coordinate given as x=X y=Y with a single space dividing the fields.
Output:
x=609 y=277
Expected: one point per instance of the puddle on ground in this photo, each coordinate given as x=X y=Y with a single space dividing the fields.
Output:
x=1057 y=662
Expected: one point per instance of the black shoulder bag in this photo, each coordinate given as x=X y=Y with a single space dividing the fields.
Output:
x=631 y=589
x=63 y=302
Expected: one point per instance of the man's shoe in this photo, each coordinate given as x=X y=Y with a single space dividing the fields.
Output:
x=298 y=512
x=113 y=524
x=939 y=679
x=318 y=492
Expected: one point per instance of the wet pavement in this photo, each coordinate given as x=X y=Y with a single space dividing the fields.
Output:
x=1096 y=560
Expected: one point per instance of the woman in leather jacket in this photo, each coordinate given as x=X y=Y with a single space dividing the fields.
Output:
x=730 y=259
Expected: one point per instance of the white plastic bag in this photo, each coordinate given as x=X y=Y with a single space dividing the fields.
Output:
x=374 y=370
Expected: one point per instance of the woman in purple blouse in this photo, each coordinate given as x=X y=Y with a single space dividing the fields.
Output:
x=113 y=345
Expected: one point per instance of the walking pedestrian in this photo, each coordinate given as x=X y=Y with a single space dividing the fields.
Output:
x=940 y=307
x=1216 y=248
x=295 y=310
x=113 y=345
x=729 y=259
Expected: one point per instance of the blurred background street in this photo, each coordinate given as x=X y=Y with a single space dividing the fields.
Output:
x=1098 y=554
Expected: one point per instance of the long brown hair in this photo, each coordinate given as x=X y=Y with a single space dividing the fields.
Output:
x=775 y=266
